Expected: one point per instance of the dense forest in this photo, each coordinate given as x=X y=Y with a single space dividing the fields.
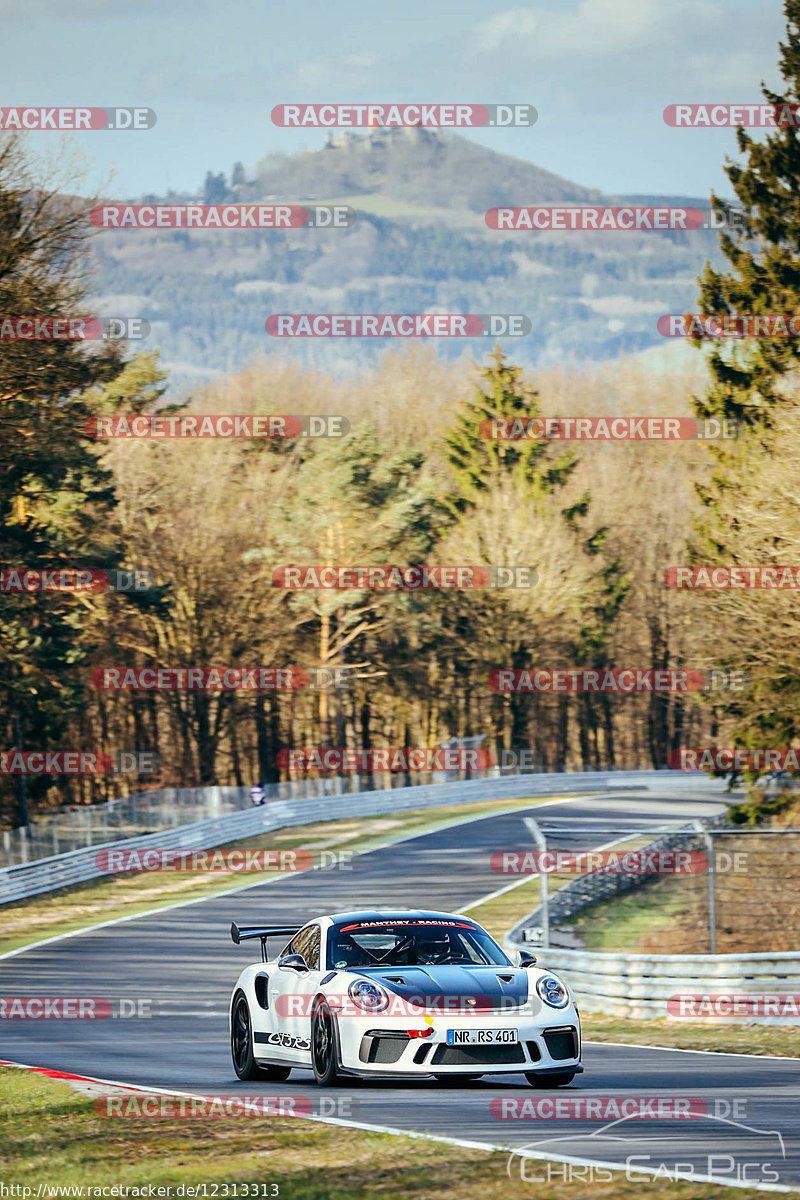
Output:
x=208 y=525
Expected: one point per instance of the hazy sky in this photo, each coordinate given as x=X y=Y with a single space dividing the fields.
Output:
x=599 y=72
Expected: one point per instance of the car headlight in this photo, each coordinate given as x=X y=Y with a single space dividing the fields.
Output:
x=368 y=995
x=552 y=991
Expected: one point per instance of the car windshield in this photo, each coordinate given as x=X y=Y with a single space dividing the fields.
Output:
x=409 y=943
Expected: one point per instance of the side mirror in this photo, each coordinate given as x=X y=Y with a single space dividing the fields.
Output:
x=293 y=962
x=525 y=959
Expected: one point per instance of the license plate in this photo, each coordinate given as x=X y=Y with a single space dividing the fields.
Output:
x=481 y=1037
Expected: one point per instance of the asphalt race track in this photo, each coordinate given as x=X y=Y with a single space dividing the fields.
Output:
x=183 y=961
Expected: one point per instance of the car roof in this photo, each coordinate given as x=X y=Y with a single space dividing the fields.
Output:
x=390 y=915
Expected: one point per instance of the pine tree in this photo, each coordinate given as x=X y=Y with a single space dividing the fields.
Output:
x=474 y=458
x=764 y=256
x=56 y=500
x=538 y=470
x=751 y=382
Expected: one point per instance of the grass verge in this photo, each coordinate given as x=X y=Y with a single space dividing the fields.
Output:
x=51 y=1136
x=784 y=1041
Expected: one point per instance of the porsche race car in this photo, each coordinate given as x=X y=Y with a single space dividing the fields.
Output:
x=402 y=993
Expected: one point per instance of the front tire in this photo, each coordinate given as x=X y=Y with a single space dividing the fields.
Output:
x=244 y=1064
x=323 y=1045
x=546 y=1081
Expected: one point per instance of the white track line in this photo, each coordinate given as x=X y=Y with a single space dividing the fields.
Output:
x=683 y=1050
x=394 y=1131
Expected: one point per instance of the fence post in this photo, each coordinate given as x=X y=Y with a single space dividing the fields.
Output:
x=712 y=907
x=544 y=880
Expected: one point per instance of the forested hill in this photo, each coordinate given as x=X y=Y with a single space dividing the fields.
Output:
x=419 y=167
x=419 y=243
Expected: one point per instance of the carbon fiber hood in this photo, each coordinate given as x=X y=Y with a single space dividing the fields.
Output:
x=453 y=987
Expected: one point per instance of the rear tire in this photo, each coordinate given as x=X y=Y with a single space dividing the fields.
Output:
x=323 y=1045
x=244 y=1064
x=547 y=1081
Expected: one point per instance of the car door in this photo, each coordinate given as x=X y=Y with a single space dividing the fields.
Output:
x=293 y=992
x=305 y=986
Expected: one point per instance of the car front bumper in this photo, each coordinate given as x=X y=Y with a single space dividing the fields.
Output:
x=373 y=1047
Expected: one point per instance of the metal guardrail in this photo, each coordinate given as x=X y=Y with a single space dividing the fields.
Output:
x=640 y=985
x=79 y=866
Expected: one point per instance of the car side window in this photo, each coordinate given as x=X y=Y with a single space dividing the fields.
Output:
x=307 y=943
x=312 y=957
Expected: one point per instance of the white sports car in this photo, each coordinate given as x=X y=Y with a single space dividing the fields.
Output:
x=404 y=993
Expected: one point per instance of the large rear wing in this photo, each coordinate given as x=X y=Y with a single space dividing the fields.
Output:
x=245 y=933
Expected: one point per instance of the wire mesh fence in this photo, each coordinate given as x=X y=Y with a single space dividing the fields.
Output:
x=705 y=888
x=81 y=827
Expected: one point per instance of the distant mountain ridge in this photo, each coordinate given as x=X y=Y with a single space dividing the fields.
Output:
x=419 y=167
x=419 y=244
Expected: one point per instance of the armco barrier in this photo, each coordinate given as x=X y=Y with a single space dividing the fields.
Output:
x=639 y=985
x=78 y=866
